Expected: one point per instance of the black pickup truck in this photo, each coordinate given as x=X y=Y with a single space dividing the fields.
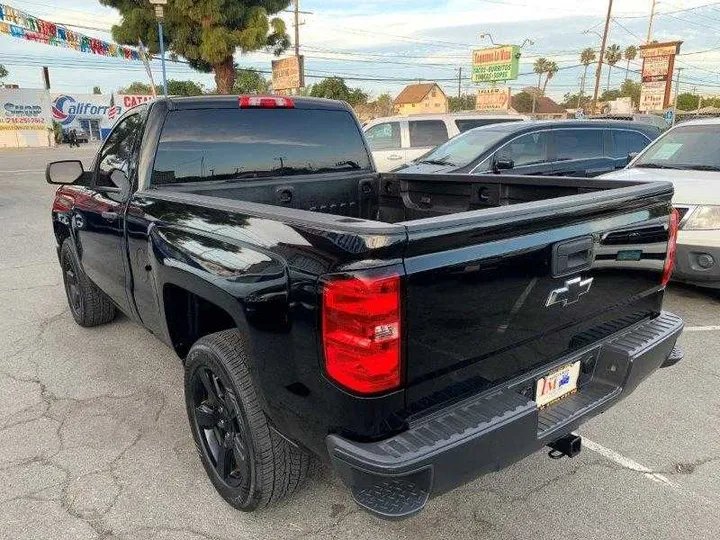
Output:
x=414 y=331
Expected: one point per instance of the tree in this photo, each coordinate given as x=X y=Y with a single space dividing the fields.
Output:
x=336 y=88
x=631 y=89
x=540 y=67
x=688 y=102
x=136 y=87
x=385 y=104
x=3 y=72
x=524 y=102
x=550 y=70
x=587 y=57
x=182 y=88
x=575 y=101
x=206 y=32
x=613 y=55
x=97 y=90
x=250 y=81
x=466 y=102
x=630 y=54
x=174 y=88
x=610 y=95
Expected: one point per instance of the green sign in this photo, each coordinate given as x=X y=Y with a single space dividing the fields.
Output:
x=496 y=64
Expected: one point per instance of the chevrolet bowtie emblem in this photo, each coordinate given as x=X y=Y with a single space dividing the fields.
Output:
x=570 y=293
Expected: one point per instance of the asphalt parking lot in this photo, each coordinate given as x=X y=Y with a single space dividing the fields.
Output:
x=94 y=441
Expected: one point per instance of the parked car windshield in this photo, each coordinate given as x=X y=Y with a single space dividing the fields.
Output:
x=685 y=147
x=234 y=144
x=465 y=148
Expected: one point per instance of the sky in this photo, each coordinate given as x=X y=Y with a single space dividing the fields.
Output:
x=380 y=46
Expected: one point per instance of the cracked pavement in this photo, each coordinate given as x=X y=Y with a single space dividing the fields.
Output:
x=94 y=441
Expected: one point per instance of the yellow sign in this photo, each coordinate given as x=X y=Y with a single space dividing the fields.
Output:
x=660 y=49
x=496 y=64
x=288 y=73
x=496 y=98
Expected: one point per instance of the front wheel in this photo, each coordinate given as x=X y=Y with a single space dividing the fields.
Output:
x=88 y=304
x=249 y=464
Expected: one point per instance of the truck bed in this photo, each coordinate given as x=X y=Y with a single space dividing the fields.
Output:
x=395 y=198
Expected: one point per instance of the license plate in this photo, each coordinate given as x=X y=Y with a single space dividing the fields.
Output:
x=557 y=384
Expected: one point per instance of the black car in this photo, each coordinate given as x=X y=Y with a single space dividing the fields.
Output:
x=553 y=148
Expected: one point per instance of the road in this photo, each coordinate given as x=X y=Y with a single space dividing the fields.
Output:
x=94 y=441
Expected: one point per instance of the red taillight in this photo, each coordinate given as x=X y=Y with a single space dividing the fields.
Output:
x=361 y=332
x=672 y=247
x=265 y=102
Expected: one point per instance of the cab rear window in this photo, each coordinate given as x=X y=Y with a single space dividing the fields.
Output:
x=225 y=144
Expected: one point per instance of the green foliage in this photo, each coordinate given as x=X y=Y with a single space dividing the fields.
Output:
x=523 y=102
x=182 y=88
x=466 y=102
x=631 y=89
x=385 y=104
x=575 y=100
x=630 y=53
x=689 y=102
x=543 y=66
x=175 y=88
x=613 y=54
x=57 y=132
x=610 y=95
x=206 y=32
x=250 y=81
x=136 y=87
x=96 y=90
x=3 y=72
x=336 y=88
x=588 y=56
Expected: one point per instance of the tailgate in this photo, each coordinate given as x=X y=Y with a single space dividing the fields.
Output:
x=493 y=294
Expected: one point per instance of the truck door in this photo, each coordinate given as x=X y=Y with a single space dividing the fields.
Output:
x=98 y=217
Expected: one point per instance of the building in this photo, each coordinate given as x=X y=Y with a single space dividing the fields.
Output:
x=25 y=118
x=421 y=98
x=545 y=108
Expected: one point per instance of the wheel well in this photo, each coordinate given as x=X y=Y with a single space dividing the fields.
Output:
x=190 y=317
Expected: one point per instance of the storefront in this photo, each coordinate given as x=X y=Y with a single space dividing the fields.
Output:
x=25 y=118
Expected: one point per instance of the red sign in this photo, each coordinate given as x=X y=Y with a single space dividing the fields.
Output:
x=135 y=100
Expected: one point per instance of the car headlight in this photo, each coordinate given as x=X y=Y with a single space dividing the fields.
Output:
x=703 y=218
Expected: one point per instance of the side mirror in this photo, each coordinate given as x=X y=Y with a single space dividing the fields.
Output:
x=503 y=164
x=64 y=172
x=631 y=156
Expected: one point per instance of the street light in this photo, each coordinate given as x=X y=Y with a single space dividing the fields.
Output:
x=160 y=14
x=526 y=41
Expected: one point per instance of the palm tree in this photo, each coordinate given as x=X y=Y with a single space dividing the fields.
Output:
x=613 y=55
x=550 y=69
x=630 y=55
x=540 y=67
x=587 y=57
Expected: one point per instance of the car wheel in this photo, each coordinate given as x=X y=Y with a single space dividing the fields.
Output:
x=248 y=462
x=88 y=304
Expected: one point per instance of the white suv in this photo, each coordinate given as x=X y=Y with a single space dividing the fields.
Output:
x=397 y=140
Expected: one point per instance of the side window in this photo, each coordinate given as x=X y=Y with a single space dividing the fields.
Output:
x=425 y=133
x=384 y=136
x=465 y=124
x=578 y=143
x=528 y=149
x=117 y=150
x=625 y=142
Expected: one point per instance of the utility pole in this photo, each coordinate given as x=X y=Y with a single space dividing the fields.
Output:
x=459 y=70
x=598 y=73
x=652 y=18
x=677 y=93
x=297 y=28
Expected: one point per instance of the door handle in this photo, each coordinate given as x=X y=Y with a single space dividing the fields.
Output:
x=572 y=256
x=394 y=157
x=109 y=216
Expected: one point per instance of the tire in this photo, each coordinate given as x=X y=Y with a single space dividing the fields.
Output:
x=88 y=304
x=249 y=463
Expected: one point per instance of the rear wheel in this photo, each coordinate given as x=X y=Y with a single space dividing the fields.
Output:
x=249 y=464
x=88 y=304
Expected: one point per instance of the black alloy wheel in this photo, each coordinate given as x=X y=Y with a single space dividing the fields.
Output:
x=72 y=286
x=221 y=428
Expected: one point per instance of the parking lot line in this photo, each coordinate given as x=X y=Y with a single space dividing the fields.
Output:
x=626 y=463
x=19 y=171
x=701 y=328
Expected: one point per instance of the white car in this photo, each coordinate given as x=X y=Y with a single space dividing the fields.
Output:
x=688 y=155
x=397 y=140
